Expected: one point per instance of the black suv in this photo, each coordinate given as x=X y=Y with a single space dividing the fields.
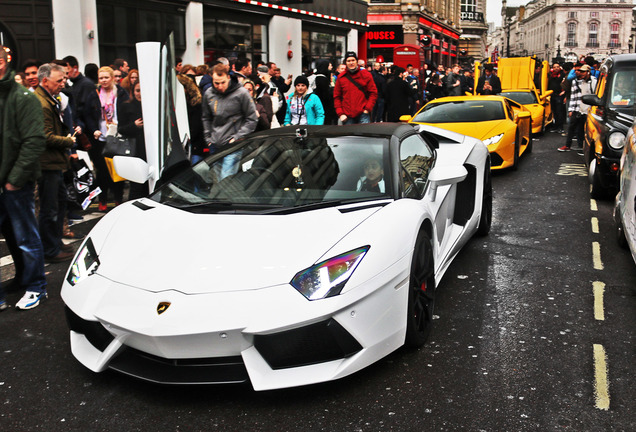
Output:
x=609 y=118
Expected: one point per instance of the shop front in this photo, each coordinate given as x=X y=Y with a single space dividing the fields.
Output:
x=441 y=43
x=382 y=39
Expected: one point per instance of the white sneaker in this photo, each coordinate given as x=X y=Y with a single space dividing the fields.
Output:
x=30 y=300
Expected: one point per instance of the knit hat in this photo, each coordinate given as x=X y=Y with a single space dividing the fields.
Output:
x=585 y=68
x=351 y=54
x=301 y=79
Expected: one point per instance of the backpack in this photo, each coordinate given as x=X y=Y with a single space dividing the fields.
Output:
x=312 y=80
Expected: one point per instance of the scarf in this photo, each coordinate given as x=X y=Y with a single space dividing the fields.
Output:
x=107 y=100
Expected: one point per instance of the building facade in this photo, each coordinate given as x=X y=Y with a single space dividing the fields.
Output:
x=98 y=31
x=473 y=40
x=568 y=29
x=430 y=27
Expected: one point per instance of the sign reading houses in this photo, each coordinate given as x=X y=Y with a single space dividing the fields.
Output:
x=386 y=34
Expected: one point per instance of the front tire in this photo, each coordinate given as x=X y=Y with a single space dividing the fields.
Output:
x=485 y=219
x=530 y=142
x=421 y=293
x=596 y=190
x=515 y=162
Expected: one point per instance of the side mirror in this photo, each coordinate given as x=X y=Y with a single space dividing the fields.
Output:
x=445 y=175
x=546 y=95
x=406 y=118
x=132 y=168
x=523 y=114
x=592 y=100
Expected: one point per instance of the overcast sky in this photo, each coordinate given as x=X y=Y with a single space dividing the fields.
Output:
x=493 y=9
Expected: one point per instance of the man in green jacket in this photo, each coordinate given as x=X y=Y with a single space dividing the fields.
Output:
x=21 y=143
x=54 y=161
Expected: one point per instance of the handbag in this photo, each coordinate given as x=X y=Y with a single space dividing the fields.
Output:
x=119 y=146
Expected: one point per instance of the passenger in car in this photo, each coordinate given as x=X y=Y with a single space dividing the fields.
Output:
x=373 y=179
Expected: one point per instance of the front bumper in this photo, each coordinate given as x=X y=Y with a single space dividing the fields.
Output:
x=273 y=337
x=608 y=171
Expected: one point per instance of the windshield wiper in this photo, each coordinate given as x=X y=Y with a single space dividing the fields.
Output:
x=227 y=205
x=208 y=203
x=316 y=205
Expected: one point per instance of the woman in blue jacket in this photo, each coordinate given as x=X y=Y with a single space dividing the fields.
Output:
x=304 y=107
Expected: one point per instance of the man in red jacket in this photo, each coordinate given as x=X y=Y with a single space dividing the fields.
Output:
x=355 y=93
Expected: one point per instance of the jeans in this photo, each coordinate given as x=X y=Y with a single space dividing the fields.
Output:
x=378 y=110
x=576 y=127
x=228 y=166
x=362 y=118
x=195 y=159
x=18 y=208
x=52 y=192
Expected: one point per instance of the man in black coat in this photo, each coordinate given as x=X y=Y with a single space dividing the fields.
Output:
x=380 y=84
x=489 y=83
x=81 y=89
x=398 y=92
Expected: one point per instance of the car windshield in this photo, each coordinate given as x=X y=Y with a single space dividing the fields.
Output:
x=524 y=98
x=461 y=111
x=623 y=91
x=277 y=172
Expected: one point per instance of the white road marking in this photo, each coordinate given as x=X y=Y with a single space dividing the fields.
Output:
x=595 y=225
x=599 y=310
x=593 y=205
x=596 y=255
x=601 y=384
x=572 y=170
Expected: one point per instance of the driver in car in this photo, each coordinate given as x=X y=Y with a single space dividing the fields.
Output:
x=624 y=87
x=373 y=180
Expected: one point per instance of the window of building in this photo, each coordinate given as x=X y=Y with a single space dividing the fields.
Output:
x=593 y=39
x=614 y=32
x=593 y=14
x=136 y=23
x=571 y=14
x=231 y=35
x=571 y=38
x=321 y=45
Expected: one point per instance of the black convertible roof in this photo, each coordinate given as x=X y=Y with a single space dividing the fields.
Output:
x=398 y=130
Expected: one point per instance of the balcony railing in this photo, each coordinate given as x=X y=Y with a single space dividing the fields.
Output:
x=571 y=44
x=472 y=16
x=614 y=45
x=592 y=45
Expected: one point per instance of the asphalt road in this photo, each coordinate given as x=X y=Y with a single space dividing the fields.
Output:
x=534 y=331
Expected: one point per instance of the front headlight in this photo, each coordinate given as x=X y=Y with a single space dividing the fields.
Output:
x=328 y=278
x=84 y=265
x=493 y=140
x=616 y=140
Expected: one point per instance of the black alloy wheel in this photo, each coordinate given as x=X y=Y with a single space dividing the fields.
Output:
x=530 y=142
x=515 y=163
x=421 y=293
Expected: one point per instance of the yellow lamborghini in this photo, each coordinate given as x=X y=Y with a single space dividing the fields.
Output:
x=517 y=83
x=502 y=124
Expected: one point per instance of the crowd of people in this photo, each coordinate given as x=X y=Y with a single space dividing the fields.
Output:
x=50 y=111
